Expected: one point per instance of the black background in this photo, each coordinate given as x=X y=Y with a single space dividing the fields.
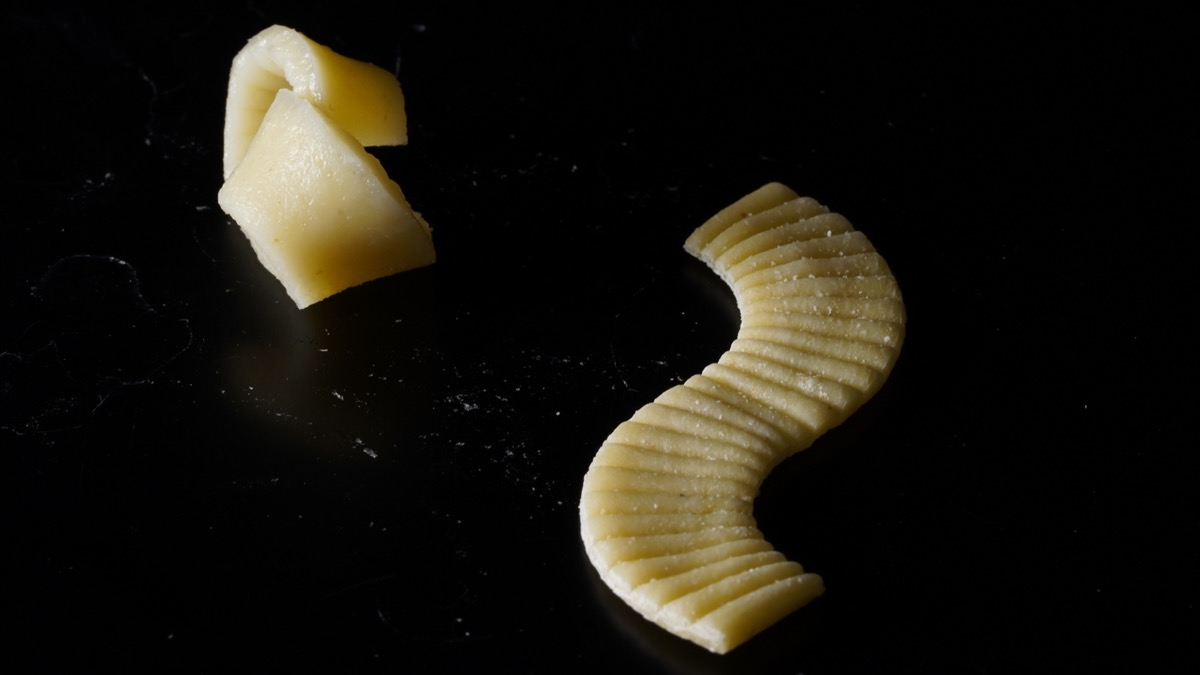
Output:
x=197 y=477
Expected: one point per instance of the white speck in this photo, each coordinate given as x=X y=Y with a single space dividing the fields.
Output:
x=370 y=453
x=338 y=396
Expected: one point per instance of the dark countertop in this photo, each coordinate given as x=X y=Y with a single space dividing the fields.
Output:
x=200 y=478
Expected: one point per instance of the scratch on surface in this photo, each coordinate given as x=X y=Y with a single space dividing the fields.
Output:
x=95 y=333
x=612 y=343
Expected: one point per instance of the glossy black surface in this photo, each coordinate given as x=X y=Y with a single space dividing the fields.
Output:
x=200 y=478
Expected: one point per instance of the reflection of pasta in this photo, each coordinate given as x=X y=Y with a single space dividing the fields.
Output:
x=666 y=510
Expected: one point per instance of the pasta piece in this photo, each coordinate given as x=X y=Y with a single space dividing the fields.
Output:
x=666 y=512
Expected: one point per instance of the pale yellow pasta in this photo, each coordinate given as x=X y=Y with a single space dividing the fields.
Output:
x=666 y=511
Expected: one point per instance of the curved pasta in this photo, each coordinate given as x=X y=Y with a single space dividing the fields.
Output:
x=361 y=98
x=319 y=210
x=666 y=508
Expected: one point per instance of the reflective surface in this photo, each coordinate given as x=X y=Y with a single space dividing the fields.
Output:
x=199 y=477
